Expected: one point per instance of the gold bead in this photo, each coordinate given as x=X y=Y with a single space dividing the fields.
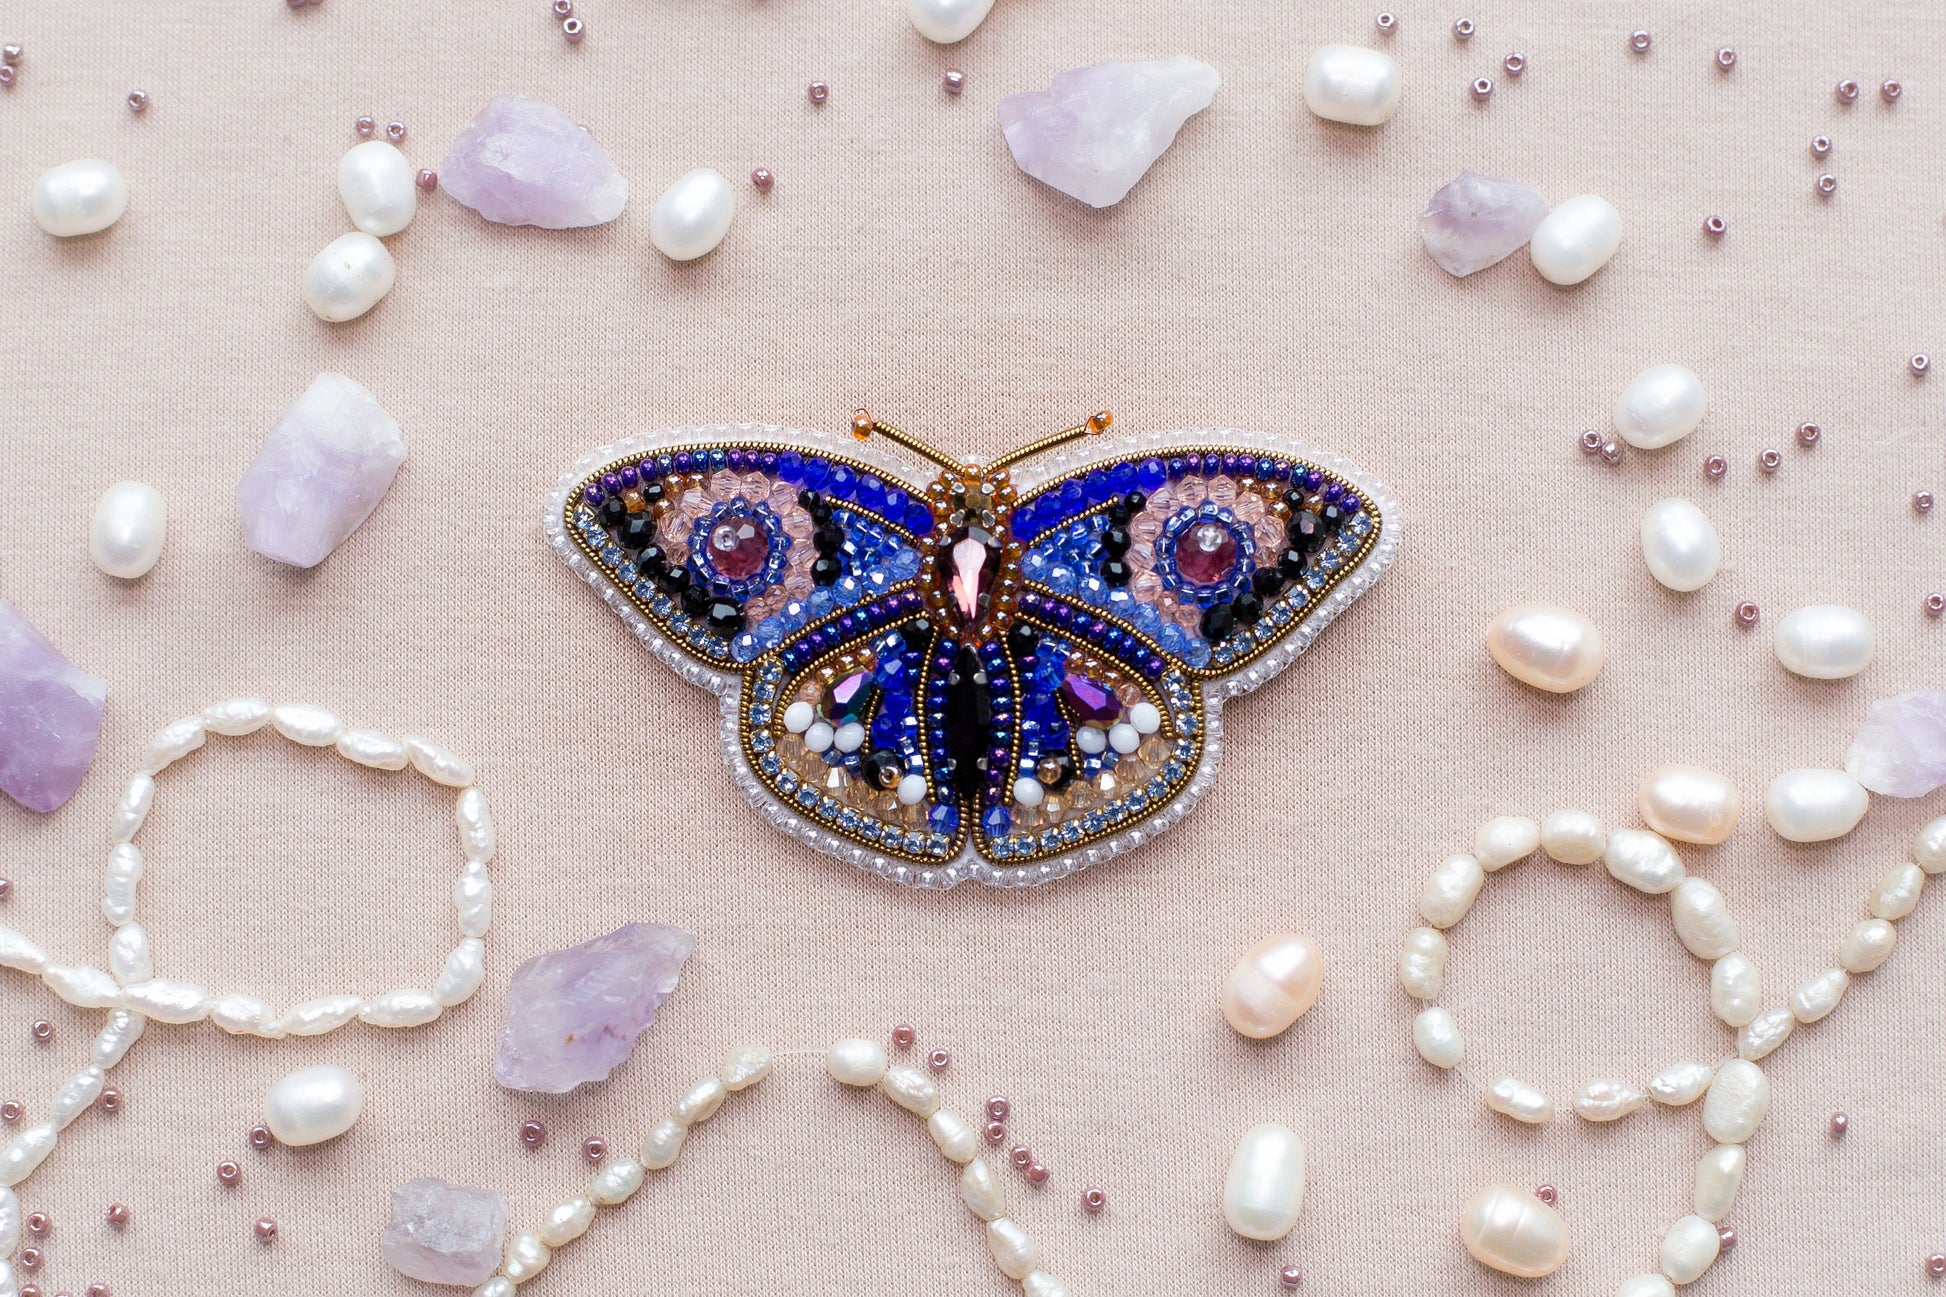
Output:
x=1099 y=421
x=861 y=424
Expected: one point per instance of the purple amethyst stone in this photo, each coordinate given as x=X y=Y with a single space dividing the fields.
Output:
x=50 y=717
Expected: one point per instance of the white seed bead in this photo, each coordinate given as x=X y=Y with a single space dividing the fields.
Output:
x=1702 y=919
x=401 y=1009
x=372 y=748
x=1450 y=891
x=1573 y=837
x=1145 y=718
x=848 y=737
x=1521 y=1101
x=437 y=764
x=1681 y=1083
x=1897 y=892
x=1091 y=739
x=29 y=1149
x=133 y=810
x=526 y=1257
x=76 y=1096
x=617 y=1182
x=798 y=716
x=1512 y=1231
x=567 y=1222
x=1437 y=1037
x=1504 y=839
x=1765 y=1033
x=911 y=1089
x=858 y=1063
x=1643 y=860
x=1575 y=239
x=129 y=958
x=744 y=1066
x=82 y=986
x=172 y=743
x=1929 y=846
x=313 y=727
x=1352 y=84
x=237 y=716
x=1814 y=805
x=473 y=902
x=122 y=884
x=1013 y=1251
x=702 y=1102
x=1688 y=1249
x=1028 y=792
x=1042 y=1284
x=1824 y=642
x=476 y=835
x=117 y=1038
x=1819 y=994
x=980 y=1189
x=246 y=1015
x=1660 y=406
x=20 y=954
x=664 y=1144
x=1719 y=1174
x=465 y=970
x=1868 y=946
x=1422 y=963
x=1689 y=804
x=1738 y=1101
x=1646 y=1285
x=1601 y=1101
x=1736 y=991
x=326 y=1013
x=954 y=1136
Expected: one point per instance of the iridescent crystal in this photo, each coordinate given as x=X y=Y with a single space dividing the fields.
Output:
x=1097 y=130
x=574 y=1015
x=1206 y=554
x=973 y=565
x=50 y=717
x=848 y=699
x=523 y=162
x=445 y=1233
x=1090 y=701
x=1900 y=750
x=1477 y=221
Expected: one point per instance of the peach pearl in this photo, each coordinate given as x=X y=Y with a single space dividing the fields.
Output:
x=1272 y=985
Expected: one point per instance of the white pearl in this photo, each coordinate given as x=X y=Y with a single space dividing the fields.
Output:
x=702 y=1101
x=1353 y=85
x=859 y=1063
x=1814 y=805
x=1689 y=804
x=1422 y=963
x=911 y=1089
x=437 y=764
x=1737 y=1102
x=1575 y=239
x=1702 y=919
x=664 y=1144
x=29 y=1149
x=473 y=903
x=798 y=716
x=125 y=538
x=401 y=1009
x=76 y=1096
x=1123 y=738
x=9 y=1222
x=1042 y=1284
x=1513 y=1097
x=246 y=1015
x=1573 y=837
x=121 y=883
x=1868 y=946
x=567 y=1222
x=980 y=1189
x=1028 y=792
x=17 y=952
x=1265 y=1188
x=1719 y=1174
x=348 y=278
x=1688 y=1249
x=1013 y=1251
x=237 y=716
x=1450 y=891
x=133 y=810
x=1679 y=545
x=946 y=22
x=465 y=970
x=1643 y=861
x=498 y=1286
x=1272 y=985
x=743 y=1067
x=313 y=1104
x=129 y=958
x=1819 y=994
x=1145 y=718
x=848 y=737
x=313 y=727
x=1646 y=1285
x=1512 y=1231
x=1735 y=990
x=1552 y=649
x=1764 y=1033
x=1601 y=1101
x=819 y=737
x=954 y=1136
x=526 y=1257
x=1437 y=1037
x=83 y=987
x=1897 y=892
x=373 y=749
x=1929 y=846
x=117 y=1038
x=1504 y=839
x=172 y=743
x=912 y=790
x=1825 y=641
x=381 y=195
x=1660 y=406
x=1681 y=1083
x=476 y=836
x=326 y=1013
x=692 y=215
x=1091 y=739
x=83 y=197
x=617 y=1182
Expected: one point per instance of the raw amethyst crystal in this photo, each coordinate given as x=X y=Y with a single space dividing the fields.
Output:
x=321 y=472
x=573 y=1016
x=50 y=717
x=1097 y=130
x=445 y=1233
x=1900 y=750
x=523 y=162
x=1477 y=221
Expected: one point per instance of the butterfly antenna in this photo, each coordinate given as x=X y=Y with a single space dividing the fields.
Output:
x=863 y=425
x=1097 y=423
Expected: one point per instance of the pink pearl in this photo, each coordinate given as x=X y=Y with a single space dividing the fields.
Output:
x=594 y=1148
x=1515 y=64
x=1935 y=1266
x=1482 y=88
x=266 y=1229
x=564 y=8
x=364 y=127
x=1386 y=23
x=228 y=1173
x=1840 y=1123
x=260 y=1138
x=1094 y=1200
x=1820 y=146
x=1808 y=434
x=1919 y=363
x=1935 y=605
x=111 y=1100
x=1827 y=184
x=1612 y=451
x=138 y=101
x=818 y=92
x=1290 y=1276
x=953 y=82
x=1726 y=58
x=42 y=1030
x=998 y=1108
x=6 y=889
x=938 y=1060
x=763 y=179
x=996 y=1132
x=1847 y=91
x=11 y=1111
x=1020 y=1155
x=1463 y=29
x=427 y=179
x=1036 y=1174
x=1639 y=41
x=1714 y=226
x=1747 y=614
x=1590 y=442
x=573 y=30
x=903 y=1036
x=1922 y=501
x=1890 y=91
x=1714 y=467
x=1726 y=1238
x=39 y=1224
x=532 y=1133
x=1547 y=1194
x=119 y=1215
x=1768 y=460
x=395 y=132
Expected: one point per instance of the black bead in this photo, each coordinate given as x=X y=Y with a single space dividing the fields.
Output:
x=613 y=511
x=652 y=560
x=1249 y=609
x=1219 y=622
x=917 y=634
x=814 y=504
x=652 y=493
x=1119 y=513
x=1332 y=516
x=1136 y=501
x=829 y=538
x=638 y=531
x=826 y=571
x=884 y=769
x=1268 y=583
x=695 y=599
x=672 y=580
x=1292 y=564
x=1307 y=531
x=1022 y=640
x=1116 y=571
x=1294 y=498
x=725 y=618
x=1063 y=774
x=1115 y=542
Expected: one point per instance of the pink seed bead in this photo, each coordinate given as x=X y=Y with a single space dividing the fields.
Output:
x=427 y=180
x=1768 y=460
x=1093 y=1200
x=99 y=1290
x=1590 y=442
x=1639 y=41
x=938 y=1060
x=1935 y=605
x=1820 y=146
x=12 y=1110
x=594 y=1148
x=763 y=179
x=532 y=1133
x=1726 y=58
x=564 y=8
x=1726 y=1238
x=1036 y=1174
x=1463 y=29
x=30 y=1259
x=138 y=101
x=573 y=30
x=1714 y=226
x=953 y=82
x=1808 y=434
x=30 y=1290
x=42 y=1031
x=1515 y=64
x=1890 y=91
x=6 y=889
x=1714 y=467
x=996 y=1132
x=1612 y=451
x=1922 y=501
x=1387 y=23
x=818 y=91
x=998 y=1108
x=1290 y=1277
x=260 y=1138
x=903 y=1036
x=1847 y=91
x=1020 y=1155
x=364 y=127
x=1919 y=363
x=1827 y=184
x=1482 y=88
x=1747 y=614
x=111 y=1100
x=8 y=75
x=39 y=1224
x=395 y=132
x=228 y=1173
x=10 y=54
x=1840 y=1123
x=1548 y=1194
x=266 y=1229
x=1935 y=1266
x=119 y=1215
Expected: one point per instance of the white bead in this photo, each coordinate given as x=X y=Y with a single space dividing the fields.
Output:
x=1552 y=649
x=476 y=836
x=1352 y=84
x=1719 y=1174
x=1643 y=860
x=798 y=716
x=1689 y=804
x=465 y=970
x=1601 y=1101
x=1091 y=739
x=17 y=952
x=130 y=524
x=437 y=764
x=1738 y=1101
x=1575 y=239
x=1679 y=545
x=1735 y=990
x=82 y=986
x=301 y=723
x=29 y=1149
x=172 y=743
x=1897 y=892
x=75 y=1097
x=326 y=1013
x=1688 y=1249
x=1504 y=839
x=1042 y=1284
x=954 y=1136
x=1929 y=846
x=349 y=277
x=381 y=195
x=1437 y=1037
x=848 y=737
x=1264 y=1191
x=1702 y=919
x=1145 y=718
x=82 y=197
x=1819 y=994
x=702 y=1102
x=1824 y=642
x=122 y=883
x=498 y=1286
x=129 y=958
x=9 y=1222
x=133 y=810
x=1515 y=1098
x=1868 y=946
x=526 y=1257
x=1765 y=1033
x=692 y=215
x=400 y=1009
x=1573 y=837
x=1028 y=792
x=246 y=1015
x=980 y=1189
x=1681 y=1083
x=117 y=1038
x=1814 y=805
x=1013 y=1251
x=1123 y=738
x=911 y=1089
x=1646 y=1285
x=313 y=1104
x=912 y=790
x=473 y=902
x=371 y=748
x=616 y=1182
x=1660 y=406
x=946 y=22
x=1450 y=891
x=567 y=1222
x=1512 y=1231
x=664 y=1144
x=236 y=717
x=1422 y=963
x=743 y=1067
x=858 y=1063
x=9 y=1286
x=819 y=737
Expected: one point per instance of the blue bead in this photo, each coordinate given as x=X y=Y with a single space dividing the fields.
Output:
x=842 y=481
x=1151 y=475
x=822 y=601
x=1173 y=639
x=996 y=821
x=848 y=591
x=1073 y=497
x=745 y=647
x=1122 y=477
x=918 y=519
x=944 y=819
x=1096 y=487
x=790 y=467
x=1197 y=655
x=1062 y=579
x=1034 y=566
x=871 y=492
x=816 y=473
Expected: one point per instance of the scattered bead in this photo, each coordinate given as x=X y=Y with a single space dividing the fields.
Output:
x=762 y=179
x=564 y=8
x=1590 y=442
x=1840 y=1123
x=138 y=101
x=1612 y=452
x=1768 y=460
x=995 y=1132
x=1714 y=467
x=953 y=81
x=998 y=1108
x=11 y=1111
x=427 y=180
x=1820 y=146
x=228 y=1173
x=1726 y=1238
x=594 y=1148
x=111 y=1100
x=260 y=1138
x=1639 y=41
x=1935 y=1266
x=395 y=132
x=99 y=1290
x=1463 y=29
x=1935 y=605
x=8 y=75
x=1548 y=1194
x=39 y=1224
x=30 y=1290
x=1482 y=88
x=10 y=54
x=30 y=1259
x=1747 y=613
x=1037 y=1174
x=1847 y=91
x=42 y=1031
x=1919 y=364
x=1827 y=184
x=818 y=91
x=1714 y=226
x=938 y=1060
x=265 y=1229
x=1020 y=1155
x=1290 y=1276
x=1093 y=1200
x=573 y=30
x=364 y=127
x=1808 y=434
x=1515 y=64
x=1386 y=23
x=902 y=1035
x=6 y=889
x=119 y=1215
x=1726 y=58
x=532 y=1133
x=1890 y=91
x=1922 y=501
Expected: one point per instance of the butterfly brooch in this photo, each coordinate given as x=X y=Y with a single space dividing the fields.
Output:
x=942 y=670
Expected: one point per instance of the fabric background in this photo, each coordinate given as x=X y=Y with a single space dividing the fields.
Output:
x=1267 y=273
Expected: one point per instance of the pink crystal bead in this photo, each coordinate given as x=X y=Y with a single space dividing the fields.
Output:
x=738 y=547
x=1207 y=553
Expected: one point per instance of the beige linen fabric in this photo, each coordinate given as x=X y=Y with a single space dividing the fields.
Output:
x=1266 y=274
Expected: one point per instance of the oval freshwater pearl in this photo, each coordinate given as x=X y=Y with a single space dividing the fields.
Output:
x=1573 y=837
x=617 y=1182
x=1422 y=963
x=1265 y=1188
x=117 y=1038
x=1660 y=406
x=1042 y=1284
x=17 y=952
x=133 y=810
x=129 y=957
x=702 y=1102
x=312 y=727
x=1688 y=1249
x=1689 y=804
x=401 y=1009
x=313 y=1104
x=1764 y=1033
x=1353 y=85
x=1814 y=805
x=692 y=215
x=121 y=882
x=1013 y=1251
x=1646 y=1285
x=1643 y=861
x=664 y=1144
x=81 y=197
x=567 y=1222
x=236 y=716
x=1897 y=892
x=1735 y=990
x=1272 y=985
x=1680 y=545
x=464 y=972
x=1576 y=239
x=1601 y=1101
x=1513 y=1097
x=176 y=1003
x=130 y=523
x=1680 y=1083
x=1719 y=1174
x=947 y=22
x=1450 y=891
x=1929 y=846
x=954 y=1136
x=1737 y=1102
x=377 y=184
x=1504 y=839
x=245 y=1015
x=911 y=1089
x=1702 y=919
x=980 y=1189
x=1512 y=1231
x=476 y=835
x=1868 y=946
x=351 y=276
x=29 y=1149
x=1819 y=994
x=9 y=1222
x=437 y=764
x=526 y=1257
x=1549 y=648
x=744 y=1066
x=1825 y=641
x=373 y=749
x=1437 y=1037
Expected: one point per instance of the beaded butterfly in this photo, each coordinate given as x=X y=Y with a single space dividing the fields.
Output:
x=1004 y=671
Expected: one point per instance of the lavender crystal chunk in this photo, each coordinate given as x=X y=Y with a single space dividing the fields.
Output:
x=523 y=162
x=573 y=1016
x=1096 y=130
x=50 y=717
x=1900 y=750
x=320 y=473
x=1477 y=221
x=445 y=1233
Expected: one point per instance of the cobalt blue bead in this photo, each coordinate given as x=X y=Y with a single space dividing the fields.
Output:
x=683 y=461
x=613 y=483
x=816 y=473
x=767 y=461
x=1351 y=504
x=1095 y=487
x=944 y=819
x=1152 y=474
x=1072 y=496
x=842 y=481
x=1177 y=468
x=790 y=467
x=1121 y=478
x=894 y=504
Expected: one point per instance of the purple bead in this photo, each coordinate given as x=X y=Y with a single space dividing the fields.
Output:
x=612 y=483
x=593 y=495
x=631 y=476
